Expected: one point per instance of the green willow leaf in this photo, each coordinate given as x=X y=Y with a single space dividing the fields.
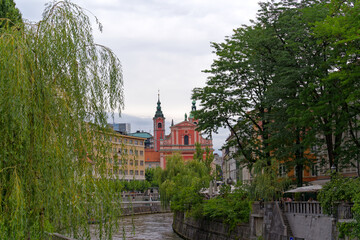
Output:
x=56 y=87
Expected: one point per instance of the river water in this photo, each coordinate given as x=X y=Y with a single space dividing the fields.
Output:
x=150 y=226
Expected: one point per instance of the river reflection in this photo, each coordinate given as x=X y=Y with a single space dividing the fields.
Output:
x=150 y=226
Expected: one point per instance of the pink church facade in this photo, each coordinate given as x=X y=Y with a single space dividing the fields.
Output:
x=181 y=140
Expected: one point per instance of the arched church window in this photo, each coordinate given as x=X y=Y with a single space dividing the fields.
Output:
x=186 y=140
x=159 y=125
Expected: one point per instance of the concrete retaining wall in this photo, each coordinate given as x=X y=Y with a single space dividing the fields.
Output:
x=312 y=227
x=193 y=229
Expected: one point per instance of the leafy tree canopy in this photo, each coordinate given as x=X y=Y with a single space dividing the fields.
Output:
x=9 y=14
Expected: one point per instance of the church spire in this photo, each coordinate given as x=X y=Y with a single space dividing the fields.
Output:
x=193 y=108
x=159 y=112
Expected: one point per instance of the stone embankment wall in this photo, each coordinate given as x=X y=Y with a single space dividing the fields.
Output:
x=144 y=209
x=191 y=229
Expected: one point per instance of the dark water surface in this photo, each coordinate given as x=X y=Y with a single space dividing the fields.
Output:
x=150 y=226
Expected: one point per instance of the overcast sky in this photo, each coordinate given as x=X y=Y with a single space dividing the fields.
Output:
x=162 y=44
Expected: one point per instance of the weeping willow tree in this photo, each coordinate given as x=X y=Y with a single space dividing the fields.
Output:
x=56 y=86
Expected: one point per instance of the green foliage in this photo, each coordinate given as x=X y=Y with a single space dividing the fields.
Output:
x=136 y=185
x=151 y=176
x=181 y=183
x=231 y=208
x=54 y=80
x=198 y=155
x=218 y=173
x=9 y=14
x=288 y=78
x=356 y=211
x=266 y=184
x=341 y=189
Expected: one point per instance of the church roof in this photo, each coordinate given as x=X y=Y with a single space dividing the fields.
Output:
x=158 y=112
x=184 y=124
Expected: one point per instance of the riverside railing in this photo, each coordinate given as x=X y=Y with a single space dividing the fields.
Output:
x=342 y=210
x=309 y=208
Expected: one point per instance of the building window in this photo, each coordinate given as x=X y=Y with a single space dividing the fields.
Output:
x=159 y=125
x=141 y=163
x=131 y=172
x=136 y=162
x=126 y=172
x=136 y=172
x=186 y=140
x=314 y=170
x=136 y=142
x=131 y=151
x=141 y=153
x=131 y=162
x=115 y=139
x=141 y=172
x=130 y=141
x=282 y=170
x=140 y=143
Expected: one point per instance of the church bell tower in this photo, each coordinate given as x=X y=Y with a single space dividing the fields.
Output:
x=159 y=125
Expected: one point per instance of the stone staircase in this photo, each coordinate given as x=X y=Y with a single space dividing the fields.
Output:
x=287 y=224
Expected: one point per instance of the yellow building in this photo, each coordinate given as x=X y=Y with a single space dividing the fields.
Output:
x=126 y=156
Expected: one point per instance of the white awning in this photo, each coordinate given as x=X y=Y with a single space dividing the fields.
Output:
x=312 y=188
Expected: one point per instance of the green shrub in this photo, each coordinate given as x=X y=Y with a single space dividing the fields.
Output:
x=231 y=208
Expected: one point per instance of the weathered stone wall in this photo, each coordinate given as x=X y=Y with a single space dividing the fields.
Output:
x=312 y=227
x=274 y=225
x=144 y=210
x=193 y=229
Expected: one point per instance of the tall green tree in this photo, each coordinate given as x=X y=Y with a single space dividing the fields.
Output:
x=340 y=30
x=287 y=83
x=54 y=81
x=308 y=84
x=296 y=56
x=9 y=13
x=240 y=77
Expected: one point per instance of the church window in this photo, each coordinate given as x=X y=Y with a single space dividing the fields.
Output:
x=186 y=140
x=159 y=125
